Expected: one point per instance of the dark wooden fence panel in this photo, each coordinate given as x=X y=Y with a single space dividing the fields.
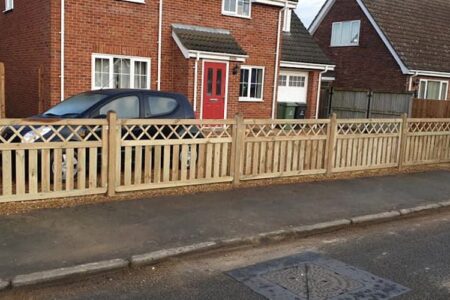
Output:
x=367 y=104
x=349 y=104
x=387 y=105
x=430 y=109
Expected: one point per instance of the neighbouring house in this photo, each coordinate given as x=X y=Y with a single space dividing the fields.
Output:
x=393 y=46
x=226 y=56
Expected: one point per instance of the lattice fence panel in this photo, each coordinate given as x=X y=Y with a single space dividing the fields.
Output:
x=428 y=141
x=158 y=154
x=366 y=144
x=284 y=148
x=52 y=159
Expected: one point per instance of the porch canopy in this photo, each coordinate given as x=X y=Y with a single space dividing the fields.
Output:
x=206 y=42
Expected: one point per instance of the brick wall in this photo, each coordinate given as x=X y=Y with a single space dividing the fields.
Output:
x=257 y=36
x=25 y=50
x=368 y=66
x=125 y=28
x=106 y=27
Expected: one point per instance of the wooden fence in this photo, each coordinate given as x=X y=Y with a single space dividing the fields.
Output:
x=430 y=109
x=367 y=104
x=60 y=158
x=52 y=159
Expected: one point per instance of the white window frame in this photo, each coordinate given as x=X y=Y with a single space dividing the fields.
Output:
x=235 y=13
x=111 y=58
x=248 y=98
x=341 y=24
x=9 y=5
x=441 y=82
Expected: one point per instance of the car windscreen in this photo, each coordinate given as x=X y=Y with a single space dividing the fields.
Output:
x=76 y=105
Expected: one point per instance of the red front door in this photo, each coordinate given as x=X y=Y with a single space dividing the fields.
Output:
x=214 y=82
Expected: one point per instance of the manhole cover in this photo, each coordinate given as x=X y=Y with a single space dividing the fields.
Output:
x=310 y=276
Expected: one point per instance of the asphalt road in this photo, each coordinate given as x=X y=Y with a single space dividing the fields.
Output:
x=412 y=252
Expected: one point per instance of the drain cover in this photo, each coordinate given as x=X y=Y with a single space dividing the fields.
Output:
x=310 y=276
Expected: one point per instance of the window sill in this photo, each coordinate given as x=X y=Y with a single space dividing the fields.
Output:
x=242 y=99
x=343 y=46
x=236 y=16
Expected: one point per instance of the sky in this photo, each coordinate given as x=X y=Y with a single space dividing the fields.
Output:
x=308 y=9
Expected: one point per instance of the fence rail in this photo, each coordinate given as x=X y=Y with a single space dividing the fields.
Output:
x=60 y=158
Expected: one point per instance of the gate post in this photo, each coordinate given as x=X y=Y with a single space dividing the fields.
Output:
x=403 y=141
x=238 y=148
x=332 y=131
x=113 y=137
x=2 y=91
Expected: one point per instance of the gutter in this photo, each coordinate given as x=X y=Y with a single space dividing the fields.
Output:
x=160 y=43
x=411 y=80
x=319 y=87
x=62 y=33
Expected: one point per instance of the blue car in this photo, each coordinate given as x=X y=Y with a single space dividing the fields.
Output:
x=127 y=103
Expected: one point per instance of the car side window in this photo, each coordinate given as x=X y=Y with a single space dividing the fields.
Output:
x=125 y=107
x=160 y=106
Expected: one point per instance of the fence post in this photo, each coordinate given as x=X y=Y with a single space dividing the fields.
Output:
x=403 y=141
x=112 y=152
x=238 y=147
x=332 y=131
x=369 y=104
x=330 y=101
x=2 y=91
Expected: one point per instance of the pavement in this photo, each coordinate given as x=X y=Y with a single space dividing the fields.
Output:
x=412 y=252
x=57 y=238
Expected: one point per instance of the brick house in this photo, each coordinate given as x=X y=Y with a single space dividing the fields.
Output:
x=224 y=55
x=387 y=45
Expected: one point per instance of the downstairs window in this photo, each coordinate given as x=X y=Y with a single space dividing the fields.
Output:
x=251 y=84
x=433 y=89
x=120 y=72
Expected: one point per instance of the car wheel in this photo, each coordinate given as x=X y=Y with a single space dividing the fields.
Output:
x=64 y=166
x=189 y=157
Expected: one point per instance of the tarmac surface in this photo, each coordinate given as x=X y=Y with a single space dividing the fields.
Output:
x=412 y=252
x=54 y=238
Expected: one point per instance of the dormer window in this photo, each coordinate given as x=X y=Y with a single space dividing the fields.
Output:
x=345 y=33
x=9 y=5
x=238 y=8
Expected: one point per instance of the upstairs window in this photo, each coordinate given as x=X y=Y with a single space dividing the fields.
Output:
x=433 y=89
x=9 y=5
x=345 y=33
x=240 y=8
